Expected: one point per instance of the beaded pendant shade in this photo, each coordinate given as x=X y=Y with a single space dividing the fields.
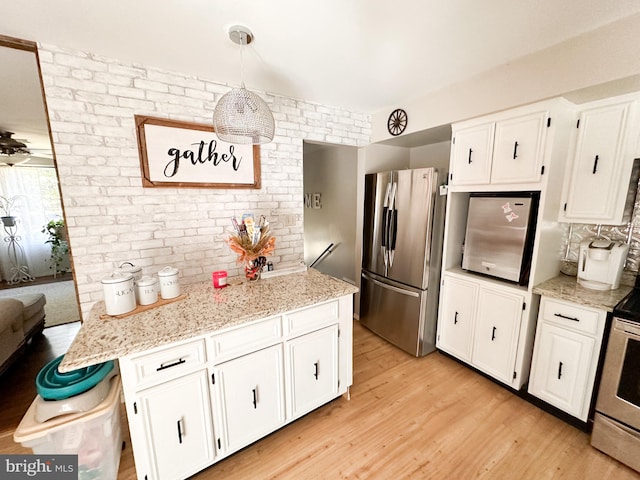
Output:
x=241 y=116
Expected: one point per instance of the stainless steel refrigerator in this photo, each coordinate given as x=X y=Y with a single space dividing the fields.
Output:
x=401 y=257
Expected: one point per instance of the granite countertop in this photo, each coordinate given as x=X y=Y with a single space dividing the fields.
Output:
x=204 y=310
x=565 y=287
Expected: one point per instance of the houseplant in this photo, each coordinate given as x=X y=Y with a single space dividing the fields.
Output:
x=6 y=204
x=55 y=229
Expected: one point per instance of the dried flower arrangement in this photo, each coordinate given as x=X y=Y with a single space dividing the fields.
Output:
x=252 y=243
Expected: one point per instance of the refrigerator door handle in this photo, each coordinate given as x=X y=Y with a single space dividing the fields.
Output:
x=390 y=287
x=385 y=226
x=393 y=223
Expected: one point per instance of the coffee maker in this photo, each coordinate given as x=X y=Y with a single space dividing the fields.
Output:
x=601 y=262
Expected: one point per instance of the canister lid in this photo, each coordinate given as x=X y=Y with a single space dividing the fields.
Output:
x=146 y=281
x=118 y=277
x=168 y=271
x=129 y=267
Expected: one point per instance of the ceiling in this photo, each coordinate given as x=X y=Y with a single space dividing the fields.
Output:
x=22 y=109
x=363 y=55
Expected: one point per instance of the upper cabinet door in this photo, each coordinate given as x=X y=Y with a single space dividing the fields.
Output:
x=518 y=150
x=471 y=155
x=601 y=163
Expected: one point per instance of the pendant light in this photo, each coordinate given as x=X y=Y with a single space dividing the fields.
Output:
x=242 y=116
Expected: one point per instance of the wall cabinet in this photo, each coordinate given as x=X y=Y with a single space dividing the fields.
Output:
x=480 y=324
x=599 y=187
x=471 y=155
x=203 y=399
x=504 y=149
x=487 y=322
x=565 y=356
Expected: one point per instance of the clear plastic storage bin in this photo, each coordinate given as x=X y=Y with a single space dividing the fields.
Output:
x=95 y=436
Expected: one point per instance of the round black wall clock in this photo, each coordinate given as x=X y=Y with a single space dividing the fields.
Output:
x=397 y=122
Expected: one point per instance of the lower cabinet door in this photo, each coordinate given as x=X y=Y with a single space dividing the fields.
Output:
x=178 y=426
x=561 y=368
x=456 y=318
x=496 y=333
x=313 y=369
x=252 y=396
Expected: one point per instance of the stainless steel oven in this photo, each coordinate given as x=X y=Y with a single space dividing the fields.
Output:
x=616 y=428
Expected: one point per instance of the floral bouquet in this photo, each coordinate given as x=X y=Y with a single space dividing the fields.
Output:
x=252 y=242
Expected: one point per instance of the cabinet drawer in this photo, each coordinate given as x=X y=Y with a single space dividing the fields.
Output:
x=246 y=339
x=572 y=316
x=166 y=363
x=311 y=318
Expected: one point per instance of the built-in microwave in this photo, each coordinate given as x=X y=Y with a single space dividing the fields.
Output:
x=499 y=235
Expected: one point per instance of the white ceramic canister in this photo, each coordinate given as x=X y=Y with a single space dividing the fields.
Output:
x=146 y=290
x=119 y=293
x=169 y=286
x=128 y=267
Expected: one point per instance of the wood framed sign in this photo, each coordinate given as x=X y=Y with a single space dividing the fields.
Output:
x=184 y=154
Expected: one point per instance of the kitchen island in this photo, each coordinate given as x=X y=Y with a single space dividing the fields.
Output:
x=204 y=310
x=211 y=373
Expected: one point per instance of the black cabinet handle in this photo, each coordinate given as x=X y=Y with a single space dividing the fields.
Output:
x=169 y=365
x=493 y=334
x=595 y=164
x=455 y=318
x=315 y=373
x=255 y=397
x=470 y=151
x=559 y=370
x=515 y=150
x=180 y=431
x=573 y=319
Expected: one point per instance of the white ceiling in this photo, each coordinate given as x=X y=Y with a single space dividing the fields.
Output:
x=363 y=55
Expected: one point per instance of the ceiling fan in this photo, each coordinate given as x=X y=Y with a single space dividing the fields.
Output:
x=14 y=152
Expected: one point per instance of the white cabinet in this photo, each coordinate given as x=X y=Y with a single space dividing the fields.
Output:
x=597 y=179
x=251 y=396
x=176 y=418
x=565 y=355
x=169 y=410
x=457 y=315
x=480 y=324
x=501 y=149
x=496 y=333
x=194 y=402
x=471 y=154
x=519 y=148
x=313 y=369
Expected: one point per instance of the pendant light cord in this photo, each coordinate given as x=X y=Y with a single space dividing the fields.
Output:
x=243 y=42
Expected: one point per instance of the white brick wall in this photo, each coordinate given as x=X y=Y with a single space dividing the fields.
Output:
x=111 y=219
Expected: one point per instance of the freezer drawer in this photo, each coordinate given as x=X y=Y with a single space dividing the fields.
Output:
x=397 y=314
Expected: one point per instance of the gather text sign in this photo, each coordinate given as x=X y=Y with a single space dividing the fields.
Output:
x=184 y=154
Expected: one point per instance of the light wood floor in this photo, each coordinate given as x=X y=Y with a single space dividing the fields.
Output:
x=407 y=418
